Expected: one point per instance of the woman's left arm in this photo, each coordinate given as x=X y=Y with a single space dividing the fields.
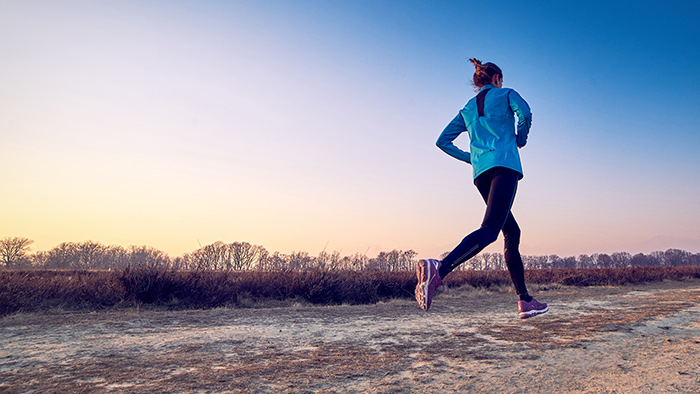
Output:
x=449 y=134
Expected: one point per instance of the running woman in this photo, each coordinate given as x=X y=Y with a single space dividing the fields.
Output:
x=489 y=120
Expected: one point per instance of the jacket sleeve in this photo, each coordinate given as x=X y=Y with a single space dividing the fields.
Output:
x=522 y=109
x=449 y=134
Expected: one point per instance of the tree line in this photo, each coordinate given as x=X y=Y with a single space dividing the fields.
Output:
x=238 y=256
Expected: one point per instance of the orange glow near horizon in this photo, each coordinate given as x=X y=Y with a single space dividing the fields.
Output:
x=300 y=129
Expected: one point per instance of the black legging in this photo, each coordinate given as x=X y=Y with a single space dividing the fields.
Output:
x=497 y=186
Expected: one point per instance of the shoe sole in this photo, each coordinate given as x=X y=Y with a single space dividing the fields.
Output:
x=420 y=296
x=423 y=271
x=534 y=312
x=423 y=282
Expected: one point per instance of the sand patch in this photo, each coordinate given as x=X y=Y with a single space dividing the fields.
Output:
x=594 y=340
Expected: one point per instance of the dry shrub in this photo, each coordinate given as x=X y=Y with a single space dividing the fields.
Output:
x=75 y=290
x=478 y=279
x=610 y=276
x=327 y=287
x=64 y=290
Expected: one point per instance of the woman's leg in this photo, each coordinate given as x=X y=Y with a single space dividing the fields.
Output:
x=511 y=236
x=497 y=186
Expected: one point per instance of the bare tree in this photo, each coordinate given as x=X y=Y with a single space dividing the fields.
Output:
x=329 y=261
x=620 y=259
x=276 y=261
x=536 y=262
x=585 y=261
x=603 y=260
x=675 y=257
x=396 y=260
x=62 y=256
x=385 y=261
x=263 y=255
x=408 y=260
x=146 y=256
x=212 y=256
x=478 y=262
x=221 y=256
x=207 y=257
x=494 y=261
x=89 y=255
x=116 y=257
x=244 y=256
x=300 y=261
x=356 y=262
x=178 y=263
x=13 y=251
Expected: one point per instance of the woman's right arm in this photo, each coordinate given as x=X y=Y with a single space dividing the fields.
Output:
x=451 y=132
x=522 y=109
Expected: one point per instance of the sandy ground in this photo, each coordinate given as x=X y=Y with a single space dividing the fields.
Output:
x=633 y=339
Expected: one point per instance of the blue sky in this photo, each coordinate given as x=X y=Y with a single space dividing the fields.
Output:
x=304 y=125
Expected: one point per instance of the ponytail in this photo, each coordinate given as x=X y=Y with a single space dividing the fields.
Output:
x=483 y=73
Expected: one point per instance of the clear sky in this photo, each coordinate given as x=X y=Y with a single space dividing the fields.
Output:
x=304 y=125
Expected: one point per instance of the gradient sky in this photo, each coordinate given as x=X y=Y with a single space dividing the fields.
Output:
x=304 y=125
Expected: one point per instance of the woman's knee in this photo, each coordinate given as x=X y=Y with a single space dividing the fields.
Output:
x=511 y=231
x=511 y=237
x=490 y=235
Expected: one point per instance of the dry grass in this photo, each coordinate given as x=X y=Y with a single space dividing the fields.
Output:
x=83 y=290
x=636 y=338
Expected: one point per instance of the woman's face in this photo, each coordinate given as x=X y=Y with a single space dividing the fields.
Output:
x=497 y=81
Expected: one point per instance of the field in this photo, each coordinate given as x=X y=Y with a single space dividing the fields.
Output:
x=634 y=338
x=24 y=291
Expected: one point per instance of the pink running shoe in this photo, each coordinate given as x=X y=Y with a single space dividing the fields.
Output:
x=428 y=282
x=532 y=308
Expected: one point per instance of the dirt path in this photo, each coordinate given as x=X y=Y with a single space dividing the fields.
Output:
x=634 y=339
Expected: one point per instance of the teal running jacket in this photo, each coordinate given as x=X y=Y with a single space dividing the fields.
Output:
x=494 y=137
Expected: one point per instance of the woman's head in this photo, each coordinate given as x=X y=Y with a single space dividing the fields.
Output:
x=485 y=74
